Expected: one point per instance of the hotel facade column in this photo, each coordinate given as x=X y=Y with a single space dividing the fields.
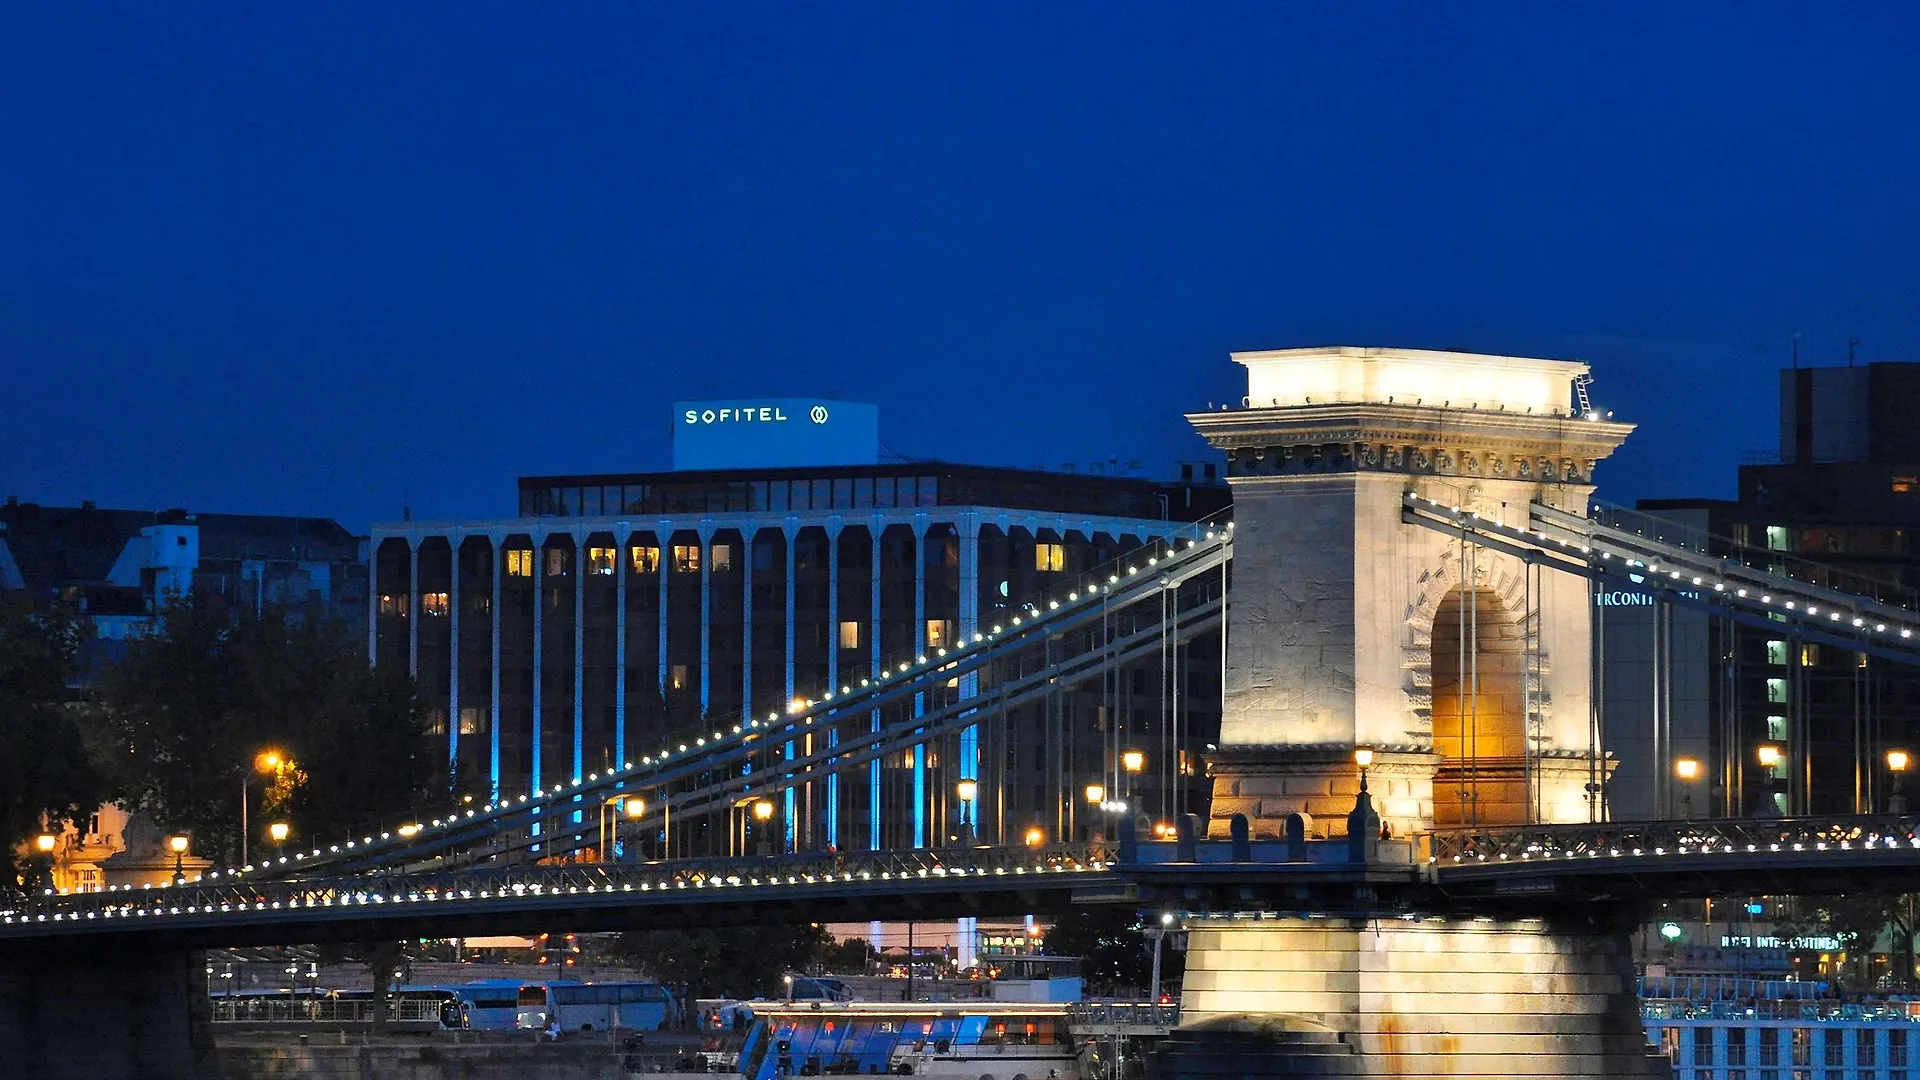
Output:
x=920 y=802
x=373 y=604
x=706 y=611
x=579 y=656
x=968 y=527
x=833 y=670
x=875 y=767
x=493 y=677
x=539 y=658
x=663 y=539
x=453 y=660
x=413 y=607
x=749 y=535
x=622 y=566
x=794 y=799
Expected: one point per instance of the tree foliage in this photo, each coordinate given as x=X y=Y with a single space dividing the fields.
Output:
x=45 y=772
x=1115 y=952
x=191 y=706
x=737 y=962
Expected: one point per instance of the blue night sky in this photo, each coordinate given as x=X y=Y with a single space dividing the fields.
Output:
x=308 y=258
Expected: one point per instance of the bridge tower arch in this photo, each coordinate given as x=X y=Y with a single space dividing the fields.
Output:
x=1338 y=609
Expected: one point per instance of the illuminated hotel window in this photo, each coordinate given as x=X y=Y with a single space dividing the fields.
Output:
x=519 y=562
x=1776 y=538
x=1904 y=485
x=1776 y=728
x=686 y=558
x=600 y=560
x=677 y=676
x=1776 y=690
x=939 y=633
x=849 y=635
x=556 y=562
x=393 y=604
x=434 y=603
x=1809 y=655
x=436 y=721
x=1860 y=660
x=1049 y=556
x=646 y=560
x=722 y=557
x=1777 y=653
x=470 y=720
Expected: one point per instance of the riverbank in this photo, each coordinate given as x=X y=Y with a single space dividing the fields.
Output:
x=447 y=1056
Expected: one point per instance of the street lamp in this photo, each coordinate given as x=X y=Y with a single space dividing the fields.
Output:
x=1133 y=760
x=1096 y=793
x=44 y=844
x=277 y=832
x=1687 y=769
x=177 y=843
x=1159 y=934
x=1036 y=836
x=967 y=791
x=1363 y=757
x=1897 y=763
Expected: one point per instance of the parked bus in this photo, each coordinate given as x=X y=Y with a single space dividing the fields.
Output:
x=634 y=1006
x=491 y=1004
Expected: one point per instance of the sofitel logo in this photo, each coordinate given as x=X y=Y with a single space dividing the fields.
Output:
x=765 y=414
x=818 y=414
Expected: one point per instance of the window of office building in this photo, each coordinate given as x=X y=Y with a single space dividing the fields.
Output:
x=939 y=633
x=1809 y=655
x=849 y=634
x=1777 y=653
x=600 y=560
x=686 y=558
x=471 y=720
x=1776 y=538
x=434 y=603
x=1905 y=485
x=1776 y=728
x=519 y=562
x=677 y=676
x=393 y=604
x=646 y=559
x=1049 y=556
x=1777 y=690
x=1703 y=1046
x=722 y=557
x=436 y=721
x=556 y=561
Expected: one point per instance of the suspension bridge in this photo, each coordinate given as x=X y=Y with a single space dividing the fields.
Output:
x=1408 y=574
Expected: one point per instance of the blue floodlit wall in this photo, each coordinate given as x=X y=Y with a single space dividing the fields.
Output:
x=747 y=433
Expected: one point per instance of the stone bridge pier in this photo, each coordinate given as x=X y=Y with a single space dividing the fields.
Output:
x=1465 y=671
x=83 y=1013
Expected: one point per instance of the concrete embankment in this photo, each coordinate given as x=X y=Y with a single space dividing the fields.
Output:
x=356 y=1057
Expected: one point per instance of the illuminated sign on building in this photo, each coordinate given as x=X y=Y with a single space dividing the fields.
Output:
x=1621 y=598
x=748 y=433
x=1764 y=941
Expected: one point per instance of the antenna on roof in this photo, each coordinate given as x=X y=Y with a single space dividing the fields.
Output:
x=1852 y=344
x=1796 y=350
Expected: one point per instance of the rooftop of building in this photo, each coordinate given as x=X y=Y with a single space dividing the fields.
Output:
x=64 y=545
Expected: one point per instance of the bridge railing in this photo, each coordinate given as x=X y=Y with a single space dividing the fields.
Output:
x=319 y=1010
x=533 y=880
x=1125 y=1014
x=1638 y=839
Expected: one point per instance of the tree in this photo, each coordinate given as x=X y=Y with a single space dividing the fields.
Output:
x=1856 y=921
x=193 y=702
x=1114 y=952
x=46 y=777
x=849 y=956
x=739 y=962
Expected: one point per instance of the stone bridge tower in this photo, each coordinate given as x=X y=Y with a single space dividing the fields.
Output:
x=1465 y=671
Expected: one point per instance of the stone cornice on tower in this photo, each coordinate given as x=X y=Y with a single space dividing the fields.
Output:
x=1409 y=438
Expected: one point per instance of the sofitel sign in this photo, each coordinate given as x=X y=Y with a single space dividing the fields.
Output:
x=748 y=414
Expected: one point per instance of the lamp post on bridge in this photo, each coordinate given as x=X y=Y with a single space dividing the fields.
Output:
x=1771 y=757
x=1159 y=936
x=1686 y=770
x=177 y=843
x=265 y=762
x=1897 y=764
x=968 y=792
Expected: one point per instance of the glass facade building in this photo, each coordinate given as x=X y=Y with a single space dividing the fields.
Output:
x=619 y=611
